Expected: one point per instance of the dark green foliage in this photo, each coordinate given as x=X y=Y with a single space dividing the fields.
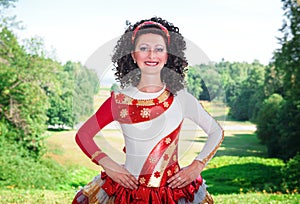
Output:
x=232 y=174
x=268 y=129
x=291 y=174
x=283 y=77
x=204 y=82
x=245 y=104
x=240 y=85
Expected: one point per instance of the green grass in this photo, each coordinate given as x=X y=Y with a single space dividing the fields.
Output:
x=65 y=197
x=36 y=196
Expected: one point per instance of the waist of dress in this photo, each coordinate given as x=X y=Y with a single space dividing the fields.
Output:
x=146 y=194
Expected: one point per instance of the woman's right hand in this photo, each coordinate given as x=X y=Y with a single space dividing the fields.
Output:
x=118 y=173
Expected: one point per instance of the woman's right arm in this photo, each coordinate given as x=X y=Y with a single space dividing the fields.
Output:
x=86 y=133
x=84 y=139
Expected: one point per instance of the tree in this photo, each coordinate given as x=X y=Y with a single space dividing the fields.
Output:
x=204 y=82
x=285 y=76
x=23 y=102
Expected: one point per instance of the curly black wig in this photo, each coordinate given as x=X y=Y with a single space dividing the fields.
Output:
x=172 y=74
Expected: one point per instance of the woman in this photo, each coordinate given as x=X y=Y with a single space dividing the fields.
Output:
x=150 y=108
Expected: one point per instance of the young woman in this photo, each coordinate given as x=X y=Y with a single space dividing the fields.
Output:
x=150 y=108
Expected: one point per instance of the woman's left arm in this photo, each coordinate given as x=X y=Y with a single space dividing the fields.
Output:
x=194 y=111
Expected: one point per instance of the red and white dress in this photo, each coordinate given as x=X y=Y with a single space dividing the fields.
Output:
x=150 y=124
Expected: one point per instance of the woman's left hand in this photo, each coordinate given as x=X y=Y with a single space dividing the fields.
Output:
x=186 y=175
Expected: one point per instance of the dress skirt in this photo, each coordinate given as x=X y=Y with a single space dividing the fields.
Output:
x=103 y=190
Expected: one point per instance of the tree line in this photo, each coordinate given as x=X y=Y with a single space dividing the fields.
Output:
x=268 y=95
x=37 y=91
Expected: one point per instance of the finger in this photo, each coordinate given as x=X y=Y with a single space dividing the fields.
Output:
x=134 y=180
x=183 y=184
x=173 y=178
x=175 y=183
x=132 y=183
x=129 y=182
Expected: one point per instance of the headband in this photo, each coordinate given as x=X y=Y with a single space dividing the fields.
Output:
x=163 y=28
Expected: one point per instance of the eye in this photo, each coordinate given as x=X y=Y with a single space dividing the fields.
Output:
x=143 y=48
x=159 y=49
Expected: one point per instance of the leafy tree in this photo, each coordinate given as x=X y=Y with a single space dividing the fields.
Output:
x=268 y=130
x=232 y=75
x=85 y=86
x=194 y=82
x=284 y=78
x=204 y=82
x=244 y=103
x=23 y=102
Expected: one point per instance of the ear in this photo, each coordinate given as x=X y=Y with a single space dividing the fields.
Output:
x=133 y=57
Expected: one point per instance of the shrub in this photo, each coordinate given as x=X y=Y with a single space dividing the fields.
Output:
x=18 y=170
x=291 y=174
x=267 y=124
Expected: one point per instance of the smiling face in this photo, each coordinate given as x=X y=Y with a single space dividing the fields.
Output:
x=150 y=53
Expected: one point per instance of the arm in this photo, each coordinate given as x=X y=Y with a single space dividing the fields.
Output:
x=84 y=139
x=85 y=135
x=194 y=111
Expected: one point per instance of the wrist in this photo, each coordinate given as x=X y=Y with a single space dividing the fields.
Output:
x=199 y=165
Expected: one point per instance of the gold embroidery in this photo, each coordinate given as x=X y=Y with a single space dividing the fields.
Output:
x=166 y=104
x=169 y=173
x=168 y=140
x=174 y=158
x=145 y=113
x=123 y=113
x=206 y=159
x=97 y=153
x=152 y=159
x=142 y=180
x=127 y=100
x=176 y=169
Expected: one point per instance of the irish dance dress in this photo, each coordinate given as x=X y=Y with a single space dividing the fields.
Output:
x=150 y=123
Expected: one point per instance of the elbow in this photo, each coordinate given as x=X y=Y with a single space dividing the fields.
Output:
x=77 y=139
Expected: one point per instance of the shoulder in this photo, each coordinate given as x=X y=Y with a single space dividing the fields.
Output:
x=183 y=94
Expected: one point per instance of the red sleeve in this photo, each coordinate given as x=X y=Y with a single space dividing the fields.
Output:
x=86 y=133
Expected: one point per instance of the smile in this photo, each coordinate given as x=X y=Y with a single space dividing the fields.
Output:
x=149 y=63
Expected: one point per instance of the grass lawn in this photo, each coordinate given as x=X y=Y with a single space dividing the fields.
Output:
x=65 y=197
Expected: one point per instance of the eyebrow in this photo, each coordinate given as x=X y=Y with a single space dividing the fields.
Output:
x=154 y=45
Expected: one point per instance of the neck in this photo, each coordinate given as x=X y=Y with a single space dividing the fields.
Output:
x=150 y=84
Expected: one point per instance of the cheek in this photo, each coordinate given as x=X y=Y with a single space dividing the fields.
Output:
x=139 y=56
x=165 y=57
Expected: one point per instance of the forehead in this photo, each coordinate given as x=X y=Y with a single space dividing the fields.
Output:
x=150 y=38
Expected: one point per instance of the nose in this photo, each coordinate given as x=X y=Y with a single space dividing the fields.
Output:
x=151 y=54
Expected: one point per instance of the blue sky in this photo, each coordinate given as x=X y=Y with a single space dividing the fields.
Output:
x=235 y=30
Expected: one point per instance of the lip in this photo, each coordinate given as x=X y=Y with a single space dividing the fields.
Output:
x=151 y=63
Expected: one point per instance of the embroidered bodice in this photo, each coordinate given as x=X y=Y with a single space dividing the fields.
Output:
x=150 y=123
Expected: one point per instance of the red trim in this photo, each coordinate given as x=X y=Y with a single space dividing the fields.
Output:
x=131 y=113
x=155 y=155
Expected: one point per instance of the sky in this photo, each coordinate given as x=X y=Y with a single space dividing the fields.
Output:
x=233 y=30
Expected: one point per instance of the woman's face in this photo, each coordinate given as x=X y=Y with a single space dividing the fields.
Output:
x=150 y=53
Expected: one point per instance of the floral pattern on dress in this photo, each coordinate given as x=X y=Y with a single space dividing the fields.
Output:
x=145 y=113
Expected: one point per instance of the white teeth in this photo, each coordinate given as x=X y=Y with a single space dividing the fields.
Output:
x=151 y=63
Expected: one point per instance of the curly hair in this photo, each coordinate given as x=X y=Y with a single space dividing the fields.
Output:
x=172 y=74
